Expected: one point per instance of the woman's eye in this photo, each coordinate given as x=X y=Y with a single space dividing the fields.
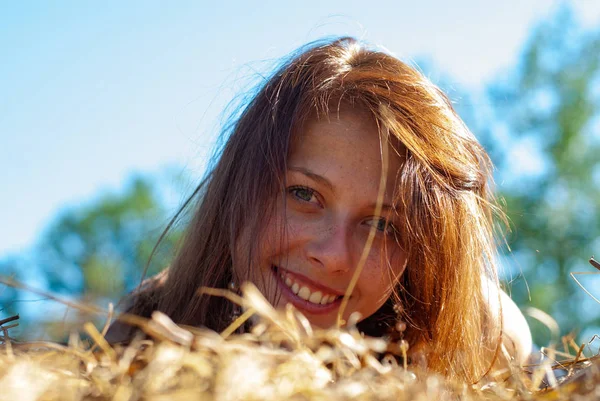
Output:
x=383 y=225
x=303 y=193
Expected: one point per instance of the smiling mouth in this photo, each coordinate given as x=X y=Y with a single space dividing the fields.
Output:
x=303 y=295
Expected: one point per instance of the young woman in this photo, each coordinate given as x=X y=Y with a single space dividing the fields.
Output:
x=345 y=158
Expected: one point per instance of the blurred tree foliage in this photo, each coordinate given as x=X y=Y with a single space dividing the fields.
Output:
x=95 y=253
x=546 y=140
x=101 y=249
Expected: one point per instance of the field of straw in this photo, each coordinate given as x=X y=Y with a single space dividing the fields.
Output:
x=283 y=358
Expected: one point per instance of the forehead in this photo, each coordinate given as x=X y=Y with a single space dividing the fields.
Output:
x=340 y=125
x=345 y=144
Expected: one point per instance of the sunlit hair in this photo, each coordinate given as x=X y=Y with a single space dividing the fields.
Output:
x=442 y=195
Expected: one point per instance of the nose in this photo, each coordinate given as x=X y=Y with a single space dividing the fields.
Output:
x=329 y=248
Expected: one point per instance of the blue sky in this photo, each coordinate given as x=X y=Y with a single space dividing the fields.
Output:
x=91 y=92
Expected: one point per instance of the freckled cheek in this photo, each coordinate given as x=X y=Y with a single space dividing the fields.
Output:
x=297 y=227
x=283 y=233
x=384 y=268
x=376 y=275
x=375 y=286
x=398 y=260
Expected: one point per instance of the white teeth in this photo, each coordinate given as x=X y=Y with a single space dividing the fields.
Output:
x=304 y=293
x=331 y=299
x=315 y=297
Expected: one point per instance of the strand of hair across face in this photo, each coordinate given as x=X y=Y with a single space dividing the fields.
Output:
x=378 y=207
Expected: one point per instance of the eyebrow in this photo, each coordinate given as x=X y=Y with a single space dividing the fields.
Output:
x=313 y=176
x=320 y=179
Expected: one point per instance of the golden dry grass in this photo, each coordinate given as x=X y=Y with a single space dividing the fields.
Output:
x=283 y=358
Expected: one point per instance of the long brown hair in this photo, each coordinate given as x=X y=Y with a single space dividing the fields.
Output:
x=443 y=197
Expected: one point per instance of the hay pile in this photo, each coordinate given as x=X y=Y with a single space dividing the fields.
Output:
x=283 y=358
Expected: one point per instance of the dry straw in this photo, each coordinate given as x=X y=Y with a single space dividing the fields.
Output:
x=282 y=358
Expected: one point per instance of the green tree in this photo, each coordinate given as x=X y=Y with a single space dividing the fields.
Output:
x=93 y=253
x=101 y=249
x=8 y=295
x=548 y=108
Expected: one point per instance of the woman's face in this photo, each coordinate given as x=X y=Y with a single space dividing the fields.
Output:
x=309 y=253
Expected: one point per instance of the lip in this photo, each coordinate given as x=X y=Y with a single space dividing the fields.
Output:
x=300 y=303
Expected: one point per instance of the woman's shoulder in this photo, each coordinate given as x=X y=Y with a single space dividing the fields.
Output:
x=505 y=314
